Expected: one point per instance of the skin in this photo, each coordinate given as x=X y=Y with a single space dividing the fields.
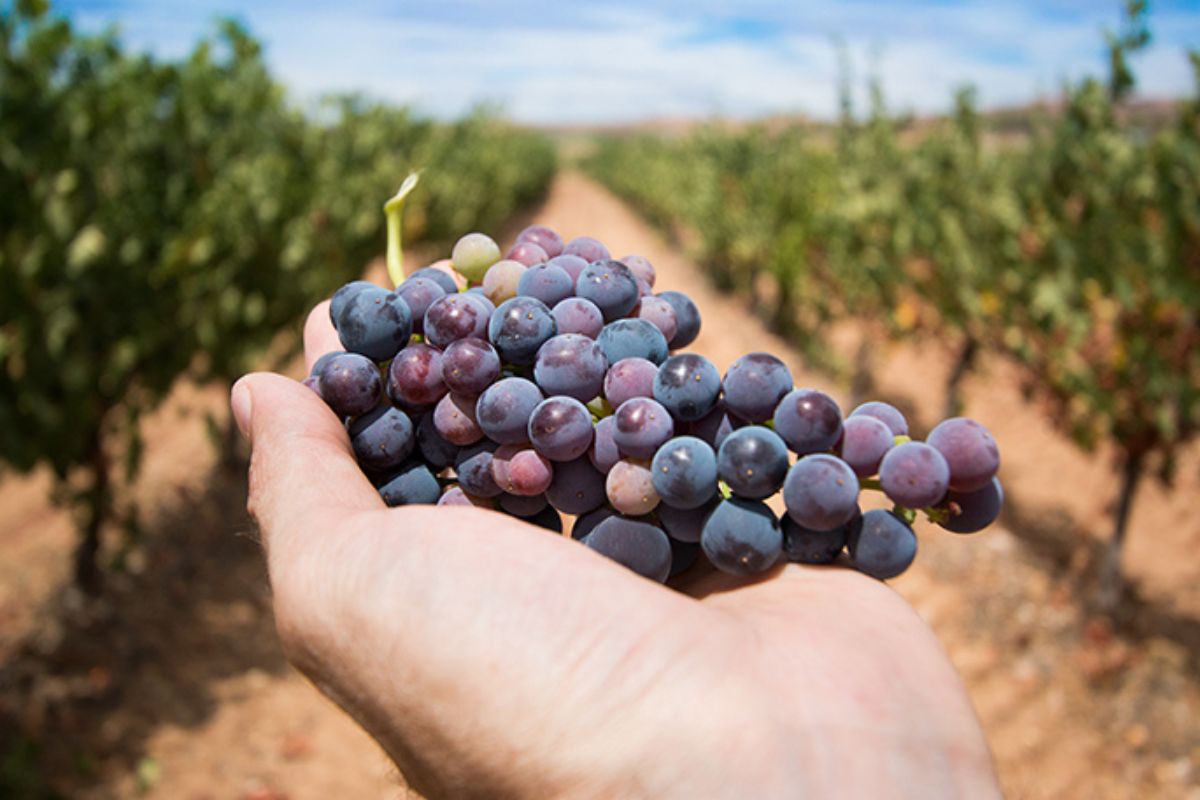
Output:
x=490 y=658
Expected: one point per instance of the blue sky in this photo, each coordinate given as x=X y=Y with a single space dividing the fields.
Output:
x=620 y=61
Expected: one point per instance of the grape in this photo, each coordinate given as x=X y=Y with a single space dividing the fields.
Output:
x=865 y=440
x=455 y=496
x=753 y=461
x=576 y=315
x=519 y=327
x=577 y=487
x=382 y=438
x=969 y=450
x=523 y=507
x=547 y=283
x=685 y=524
x=809 y=421
x=543 y=237
x=610 y=285
x=412 y=484
x=560 y=428
x=527 y=253
x=687 y=318
x=658 y=312
x=914 y=475
x=456 y=316
x=629 y=487
x=478 y=294
x=521 y=470
x=629 y=378
x=343 y=295
x=684 y=472
x=632 y=338
x=502 y=279
x=586 y=248
x=683 y=556
x=320 y=363
x=350 y=384
x=504 y=408
x=473 y=254
x=547 y=518
x=973 y=511
x=415 y=376
x=454 y=418
x=375 y=323
x=742 y=537
x=885 y=413
x=714 y=426
x=883 y=545
x=754 y=385
x=641 y=268
x=314 y=383
x=419 y=294
x=635 y=544
x=806 y=546
x=586 y=523
x=474 y=469
x=442 y=278
x=572 y=265
x=644 y=289
x=642 y=425
x=688 y=386
x=435 y=449
x=470 y=365
x=604 y=452
x=821 y=492
x=570 y=364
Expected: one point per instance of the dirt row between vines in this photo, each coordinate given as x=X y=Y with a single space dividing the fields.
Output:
x=174 y=686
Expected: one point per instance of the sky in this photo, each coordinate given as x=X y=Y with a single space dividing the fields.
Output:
x=584 y=62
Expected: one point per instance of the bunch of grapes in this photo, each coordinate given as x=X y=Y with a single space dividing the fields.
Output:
x=548 y=382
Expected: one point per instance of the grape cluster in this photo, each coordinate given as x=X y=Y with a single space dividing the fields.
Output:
x=553 y=385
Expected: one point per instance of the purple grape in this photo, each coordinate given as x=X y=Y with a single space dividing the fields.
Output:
x=350 y=384
x=520 y=326
x=969 y=450
x=587 y=523
x=503 y=410
x=527 y=253
x=610 y=285
x=604 y=452
x=522 y=507
x=754 y=385
x=809 y=421
x=547 y=518
x=435 y=449
x=753 y=461
x=914 y=475
x=865 y=441
x=375 y=323
x=742 y=537
x=314 y=383
x=454 y=418
x=320 y=363
x=577 y=487
x=629 y=378
x=642 y=426
x=885 y=413
x=687 y=319
x=632 y=338
x=570 y=364
x=684 y=472
x=457 y=316
x=572 y=265
x=684 y=555
x=685 y=524
x=688 y=386
x=547 y=283
x=821 y=492
x=439 y=276
x=658 y=312
x=521 y=470
x=714 y=426
x=586 y=248
x=382 y=438
x=412 y=484
x=343 y=296
x=576 y=315
x=806 y=546
x=883 y=546
x=560 y=428
x=420 y=294
x=973 y=511
x=469 y=366
x=455 y=496
x=641 y=268
x=474 y=469
x=543 y=237
x=630 y=488
x=415 y=376
x=633 y=543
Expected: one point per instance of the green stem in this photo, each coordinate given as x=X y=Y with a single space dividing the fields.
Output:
x=726 y=492
x=870 y=483
x=394 y=211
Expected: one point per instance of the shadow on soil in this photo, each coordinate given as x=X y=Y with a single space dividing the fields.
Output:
x=81 y=695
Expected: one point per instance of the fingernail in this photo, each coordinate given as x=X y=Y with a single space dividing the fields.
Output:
x=241 y=403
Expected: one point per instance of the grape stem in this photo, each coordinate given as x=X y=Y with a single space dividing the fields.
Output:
x=394 y=211
x=726 y=492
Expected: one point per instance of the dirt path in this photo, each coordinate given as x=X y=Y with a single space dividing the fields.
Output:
x=177 y=688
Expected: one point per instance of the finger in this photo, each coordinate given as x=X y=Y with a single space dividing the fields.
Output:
x=319 y=335
x=303 y=475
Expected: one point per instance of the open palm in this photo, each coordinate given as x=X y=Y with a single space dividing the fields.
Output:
x=492 y=658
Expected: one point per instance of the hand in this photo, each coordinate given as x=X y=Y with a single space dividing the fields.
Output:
x=492 y=658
